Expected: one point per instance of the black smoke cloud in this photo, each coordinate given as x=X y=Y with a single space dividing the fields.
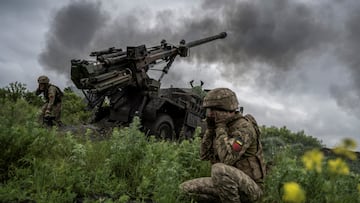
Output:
x=70 y=34
x=273 y=32
x=277 y=33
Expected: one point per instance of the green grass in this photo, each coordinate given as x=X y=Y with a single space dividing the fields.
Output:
x=49 y=165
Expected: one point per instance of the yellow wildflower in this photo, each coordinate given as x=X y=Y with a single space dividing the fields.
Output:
x=346 y=148
x=345 y=152
x=338 y=166
x=349 y=143
x=359 y=187
x=312 y=160
x=293 y=193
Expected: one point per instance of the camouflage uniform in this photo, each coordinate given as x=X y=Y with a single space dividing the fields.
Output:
x=233 y=147
x=51 y=110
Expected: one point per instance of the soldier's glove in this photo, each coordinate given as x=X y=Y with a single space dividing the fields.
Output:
x=210 y=123
x=38 y=91
x=47 y=113
x=221 y=119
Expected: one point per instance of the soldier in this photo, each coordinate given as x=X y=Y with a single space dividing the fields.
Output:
x=232 y=144
x=51 y=110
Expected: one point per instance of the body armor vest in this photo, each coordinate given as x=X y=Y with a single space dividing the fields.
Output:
x=252 y=161
x=58 y=95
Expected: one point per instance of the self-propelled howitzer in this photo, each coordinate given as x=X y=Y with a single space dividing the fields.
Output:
x=122 y=77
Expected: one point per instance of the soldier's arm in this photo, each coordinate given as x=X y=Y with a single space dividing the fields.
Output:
x=38 y=91
x=51 y=95
x=206 y=150
x=229 y=149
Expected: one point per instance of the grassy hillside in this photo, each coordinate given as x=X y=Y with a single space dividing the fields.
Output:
x=54 y=165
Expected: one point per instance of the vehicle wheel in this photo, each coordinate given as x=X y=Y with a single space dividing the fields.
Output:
x=164 y=127
x=186 y=133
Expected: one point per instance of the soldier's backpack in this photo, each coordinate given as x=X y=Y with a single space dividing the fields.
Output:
x=252 y=120
x=259 y=154
x=59 y=94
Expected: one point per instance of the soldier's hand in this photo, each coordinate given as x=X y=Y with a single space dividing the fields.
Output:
x=38 y=91
x=47 y=113
x=210 y=123
x=221 y=118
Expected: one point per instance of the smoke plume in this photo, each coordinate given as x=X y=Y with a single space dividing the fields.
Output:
x=70 y=35
x=278 y=34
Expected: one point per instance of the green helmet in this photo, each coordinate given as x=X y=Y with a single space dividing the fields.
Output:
x=43 y=79
x=221 y=98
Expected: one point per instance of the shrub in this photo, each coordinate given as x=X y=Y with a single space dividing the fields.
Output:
x=74 y=109
x=322 y=179
x=51 y=165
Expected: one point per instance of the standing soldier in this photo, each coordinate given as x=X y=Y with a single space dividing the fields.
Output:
x=232 y=144
x=51 y=110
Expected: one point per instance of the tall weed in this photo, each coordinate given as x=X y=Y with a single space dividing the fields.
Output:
x=49 y=165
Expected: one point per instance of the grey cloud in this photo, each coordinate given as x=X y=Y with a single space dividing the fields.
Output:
x=320 y=118
x=277 y=34
x=346 y=97
x=21 y=7
x=351 y=50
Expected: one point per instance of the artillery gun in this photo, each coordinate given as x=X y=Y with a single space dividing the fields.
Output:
x=122 y=78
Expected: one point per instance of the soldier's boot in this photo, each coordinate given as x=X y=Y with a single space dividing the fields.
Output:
x=58 y=123
x=48 y=121
x=203 y=198
x=199 y=198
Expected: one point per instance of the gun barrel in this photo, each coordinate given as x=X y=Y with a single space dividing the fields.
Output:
x=205 y=40
x=108 y=80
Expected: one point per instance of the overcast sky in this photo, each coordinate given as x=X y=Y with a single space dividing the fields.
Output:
x=292 y=63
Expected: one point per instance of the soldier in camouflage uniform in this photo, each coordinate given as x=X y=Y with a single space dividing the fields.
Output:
x=232 y=144
x=51 y=110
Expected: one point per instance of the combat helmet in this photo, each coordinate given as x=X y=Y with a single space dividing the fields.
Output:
x=221 y=98
x=43 y=79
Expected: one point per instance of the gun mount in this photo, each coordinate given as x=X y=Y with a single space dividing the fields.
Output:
x=122 y=77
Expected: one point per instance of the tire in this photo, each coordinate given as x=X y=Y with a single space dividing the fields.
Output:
x=163 y=127
x=186 y=133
